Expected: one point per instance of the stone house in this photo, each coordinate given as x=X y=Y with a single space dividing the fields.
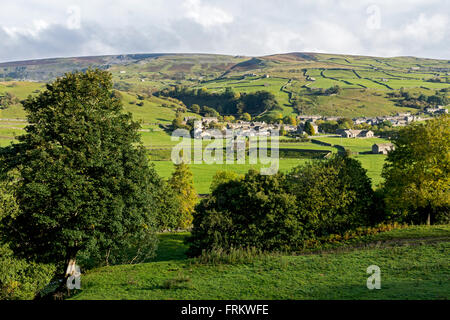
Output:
x=382 y=148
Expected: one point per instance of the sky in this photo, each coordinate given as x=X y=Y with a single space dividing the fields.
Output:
x=32 y=29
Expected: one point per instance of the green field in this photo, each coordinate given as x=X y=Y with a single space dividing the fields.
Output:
x=414 y=265
x=365 y=81
x=157 y=140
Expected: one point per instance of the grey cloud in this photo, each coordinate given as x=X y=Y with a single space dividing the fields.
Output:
x=251 y=27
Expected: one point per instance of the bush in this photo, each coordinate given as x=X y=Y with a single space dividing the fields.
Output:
x=254 y=212
x=22 y=280
x=231 y=256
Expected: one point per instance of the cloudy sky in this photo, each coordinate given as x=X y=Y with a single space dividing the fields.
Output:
x=32 y=29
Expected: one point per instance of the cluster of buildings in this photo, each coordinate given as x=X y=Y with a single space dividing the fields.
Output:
x=255 y=128
x=401 y=119
x=436 y=111
x=240 y=128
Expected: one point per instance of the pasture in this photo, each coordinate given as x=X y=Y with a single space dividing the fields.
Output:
x=413 y=263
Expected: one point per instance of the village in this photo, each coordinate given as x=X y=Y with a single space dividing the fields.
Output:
x=262 y=129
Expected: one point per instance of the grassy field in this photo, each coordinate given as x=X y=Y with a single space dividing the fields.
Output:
x=413 y=261
x=156 y=139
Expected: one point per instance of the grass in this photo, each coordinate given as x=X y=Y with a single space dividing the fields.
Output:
x=203 y=173
x=419 y=271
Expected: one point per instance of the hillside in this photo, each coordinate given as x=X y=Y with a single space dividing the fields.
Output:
x=296 y=79
x=370 y=86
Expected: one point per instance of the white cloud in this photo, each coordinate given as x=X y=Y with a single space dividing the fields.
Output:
x=31 y=31
x=433 y=28
x=206 y=15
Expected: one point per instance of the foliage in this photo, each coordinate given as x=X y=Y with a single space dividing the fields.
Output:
x=195 y=108
x=251 y=212
x=280 y=212
x=246 y=117
x=7 y=100
x=84 y=177
x=417 y=173
x=226 y=103
x=21 y=279
x=224 y=176
x=169 y=213
x=232 y=256
x=182 y=184
x=332 y=196
x=309 y=129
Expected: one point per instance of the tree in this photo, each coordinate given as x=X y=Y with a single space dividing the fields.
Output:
x=246 y=117
x=332 y=196
x=195 y=108
x=229 y=118
x=209 y=112
x=345 y=123
x=251 y=212
x=290 y=120
x=169 y=213
x=222 y=177
x=309 y=128
x=182 y=184
x=84 y=179
x=417 y=179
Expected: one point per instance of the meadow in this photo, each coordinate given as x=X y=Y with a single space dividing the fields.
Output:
x=413 y=262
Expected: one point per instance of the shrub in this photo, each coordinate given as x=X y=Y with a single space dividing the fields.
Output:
x=20 y=279
x=255 y=212
x=231 y=256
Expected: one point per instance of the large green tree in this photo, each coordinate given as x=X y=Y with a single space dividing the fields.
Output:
x=417 y=172
x=84 y=179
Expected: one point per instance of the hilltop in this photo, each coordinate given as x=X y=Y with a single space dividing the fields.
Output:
x=368 y=85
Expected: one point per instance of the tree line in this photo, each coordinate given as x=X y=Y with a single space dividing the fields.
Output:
x=227 y=102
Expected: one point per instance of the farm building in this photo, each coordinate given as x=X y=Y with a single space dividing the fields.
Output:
x=355 y=133
x=366 y=134
x=382 y=148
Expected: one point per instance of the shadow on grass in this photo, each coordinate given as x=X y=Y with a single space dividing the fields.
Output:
x=171 y=246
